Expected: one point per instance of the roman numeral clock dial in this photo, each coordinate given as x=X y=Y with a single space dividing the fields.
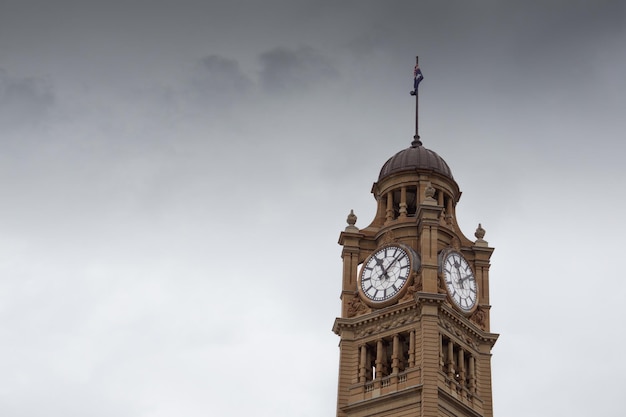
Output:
x=460 y=281
x=385 y=273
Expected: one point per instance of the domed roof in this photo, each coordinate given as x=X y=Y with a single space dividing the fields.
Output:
x=415 y=158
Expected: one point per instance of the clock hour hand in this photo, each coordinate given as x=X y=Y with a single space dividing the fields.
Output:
x=380 y=263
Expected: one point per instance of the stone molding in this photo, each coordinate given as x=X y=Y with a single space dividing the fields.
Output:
x=378 y=321
x=464 y=329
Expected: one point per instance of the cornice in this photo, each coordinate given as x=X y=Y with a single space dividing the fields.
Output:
x=355 y=235
x=398 y=315
x=430 y=298
x=486 y=249
x=450 y=317
x=378 y=320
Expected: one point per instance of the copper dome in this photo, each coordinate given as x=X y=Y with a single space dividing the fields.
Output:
x=415 y=158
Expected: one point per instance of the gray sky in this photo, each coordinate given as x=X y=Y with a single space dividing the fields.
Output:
x=174 y=182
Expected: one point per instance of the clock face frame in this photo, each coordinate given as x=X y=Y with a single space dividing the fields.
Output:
x=460 y=281
x=385 y=274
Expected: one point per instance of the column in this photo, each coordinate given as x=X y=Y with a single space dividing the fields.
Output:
x=380 y=359
x=412 y=349
x=442 y=346
x=363 y=364
x=472 y=375
x=403 y=204
x=450 y=359
x=368 y=363
x=395 y=360
x=461 y=365
x=389 y=216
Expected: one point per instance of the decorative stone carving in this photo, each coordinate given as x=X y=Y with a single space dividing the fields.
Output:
x=411 y=290
x=458 y=332
x=389 y=238
x=356 y=307
x=442 y=217
x=479 y=317
x=441 y=285
x=387 y=323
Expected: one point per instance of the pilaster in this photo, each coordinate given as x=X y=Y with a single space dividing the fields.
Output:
x=429 y=351
x=350 y=240
x=428 y=231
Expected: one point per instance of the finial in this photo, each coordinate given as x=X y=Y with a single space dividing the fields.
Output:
x=417 y=79
x=480 y=234
x=351 y=220
x=429 y=192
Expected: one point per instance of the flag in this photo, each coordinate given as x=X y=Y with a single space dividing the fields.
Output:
x=417 y=77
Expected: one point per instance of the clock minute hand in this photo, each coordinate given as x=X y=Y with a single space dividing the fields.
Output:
x=461 y=279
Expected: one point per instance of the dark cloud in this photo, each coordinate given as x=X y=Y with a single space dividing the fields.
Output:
x=285 y=69
x=219 y=78
x=23 y=101
x=370 y=41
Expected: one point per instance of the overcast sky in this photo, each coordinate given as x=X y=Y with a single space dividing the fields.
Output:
x=175 y=175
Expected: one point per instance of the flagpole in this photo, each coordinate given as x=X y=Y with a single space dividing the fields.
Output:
x=416 y=81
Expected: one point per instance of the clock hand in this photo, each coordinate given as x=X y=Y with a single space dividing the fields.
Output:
x=460 y=280
x=389 y=266
x=380 y=263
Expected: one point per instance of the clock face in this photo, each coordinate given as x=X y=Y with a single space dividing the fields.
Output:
x=385 y=273
x=460 y=281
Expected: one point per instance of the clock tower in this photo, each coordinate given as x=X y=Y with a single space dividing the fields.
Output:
x=415 y=337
